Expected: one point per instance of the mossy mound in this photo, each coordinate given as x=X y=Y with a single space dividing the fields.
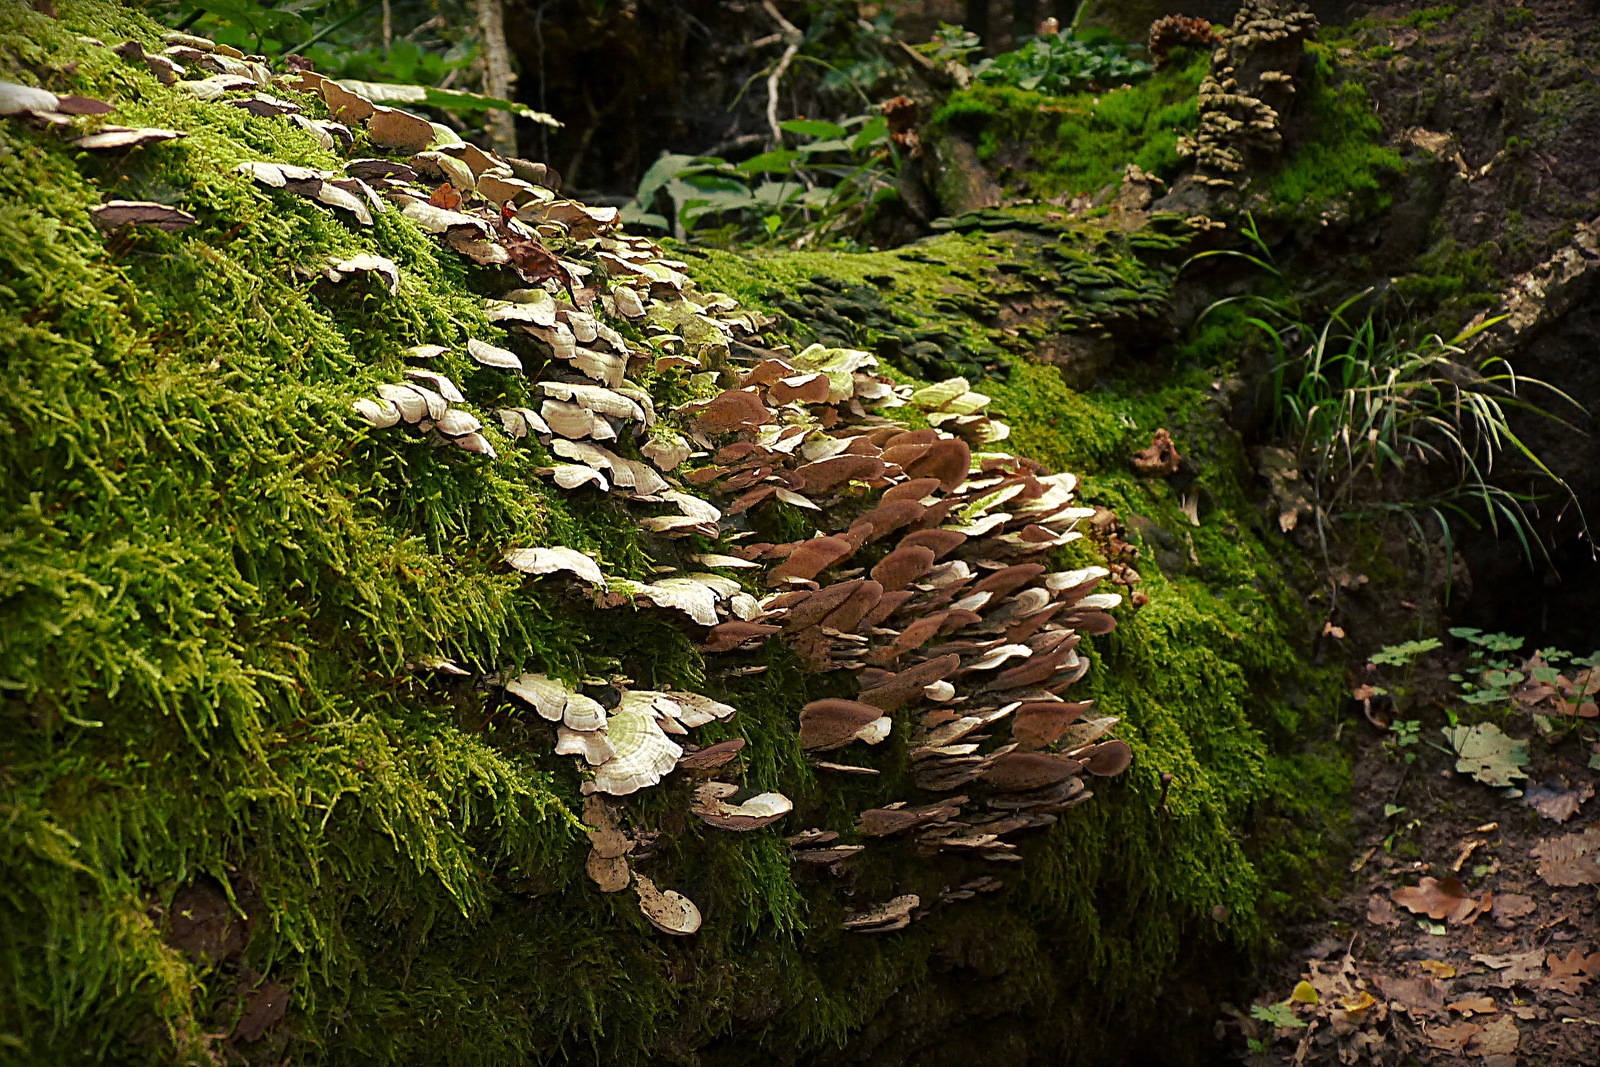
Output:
x=215 y=578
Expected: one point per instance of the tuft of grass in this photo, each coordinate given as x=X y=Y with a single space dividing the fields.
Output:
x=1383 y=422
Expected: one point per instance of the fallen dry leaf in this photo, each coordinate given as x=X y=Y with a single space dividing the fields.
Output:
x=1517 y=967
x=1569 y=975
x=1570 y=860
x=1439 y=969
x=1418 y=995
x=1437 y=899
x=446 y=196
x=1555 y=801
x=1380 y=912
x=1474 y=1006
x=1499 y=1037
x=1513 y=906
x=1452 y=1038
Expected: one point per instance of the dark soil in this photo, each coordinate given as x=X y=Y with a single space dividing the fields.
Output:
x=1415 y=816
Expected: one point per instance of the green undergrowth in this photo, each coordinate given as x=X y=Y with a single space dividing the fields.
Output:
x=1046 y=146
x=213 y=579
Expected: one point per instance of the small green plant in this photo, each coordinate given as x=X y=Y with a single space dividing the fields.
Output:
x=1497 y=674
x=823 y=190
x=1402 y=654
x=951 y=44
x=1281 y=1014
x=1429 y=17
x=1406 y=731
x=1061 y=63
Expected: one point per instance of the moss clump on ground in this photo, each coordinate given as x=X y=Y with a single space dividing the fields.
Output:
x=1340 y=163
x=214 y=578
x=1052 y=145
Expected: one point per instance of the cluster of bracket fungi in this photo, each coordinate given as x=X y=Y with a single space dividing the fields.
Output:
x=1250 y=85
x=926 y=580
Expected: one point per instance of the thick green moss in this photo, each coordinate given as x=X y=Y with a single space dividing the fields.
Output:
x=213 y=577
x=1050 y=145
x=1340 y=162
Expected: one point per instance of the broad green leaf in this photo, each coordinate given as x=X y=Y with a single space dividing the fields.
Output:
x=1487 y=754
x=1276 y=1014
x=813 y=128
x=780 y=162
x=874 y=131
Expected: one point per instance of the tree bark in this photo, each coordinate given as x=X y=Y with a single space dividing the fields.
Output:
x=498 y=78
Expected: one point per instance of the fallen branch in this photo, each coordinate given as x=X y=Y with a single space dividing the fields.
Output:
x=793 y=35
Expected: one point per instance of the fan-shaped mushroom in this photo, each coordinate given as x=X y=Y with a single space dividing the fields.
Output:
x=668 y=911
x=811 y=558
x=895 y=690
x=827 y=474
x=834 y=723
x=1039 y=723
x=731 y=410
x=1107 y=758
x=948 y=460
x=1017 y=772
x=719 y=804
x=903 y=566
x=644 y=753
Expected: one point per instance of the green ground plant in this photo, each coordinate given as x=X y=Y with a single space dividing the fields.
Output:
x=1079 y=142
x=822 y=191
x=1061 y=63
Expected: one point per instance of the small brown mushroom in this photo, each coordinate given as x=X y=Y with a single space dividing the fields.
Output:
x=881 y=822
x=811 y=558
x=1018 y=772
x=917 y=489
x=889 y=517
x=1107 y=758
x=668 y=911
x=720 y=805
x=834 y=723
x=736 y=633
x=942 y=542
x=848 y=615
x=731 y=410
x=903 y=566
x=801 y=389
x=1008 y=580
x=897 y=689
x=827 y=474
x=1039 y=723
x=948 y=460
x=883 y=918
x=712 y=756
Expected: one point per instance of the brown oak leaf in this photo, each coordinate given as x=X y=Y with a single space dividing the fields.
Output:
x=1437 y=899
x=1569 y=975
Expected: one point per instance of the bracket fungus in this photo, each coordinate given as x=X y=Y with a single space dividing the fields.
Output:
x=668 y=911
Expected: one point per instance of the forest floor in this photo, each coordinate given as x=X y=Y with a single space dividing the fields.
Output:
x=1467 y=931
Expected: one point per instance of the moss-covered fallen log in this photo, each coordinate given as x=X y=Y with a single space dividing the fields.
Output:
x=248 y=808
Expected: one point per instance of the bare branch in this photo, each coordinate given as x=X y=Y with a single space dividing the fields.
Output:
x=793 y=35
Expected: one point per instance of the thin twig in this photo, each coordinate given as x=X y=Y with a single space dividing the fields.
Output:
x=794 y=37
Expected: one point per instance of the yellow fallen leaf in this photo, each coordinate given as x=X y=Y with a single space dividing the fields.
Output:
x=1304 y=993
x=1439 y=969
x=1358 y=1002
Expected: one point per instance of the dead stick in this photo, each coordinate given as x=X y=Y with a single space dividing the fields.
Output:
x=794 y=37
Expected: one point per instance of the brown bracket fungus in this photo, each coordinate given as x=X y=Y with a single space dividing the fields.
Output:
x=668 y=911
